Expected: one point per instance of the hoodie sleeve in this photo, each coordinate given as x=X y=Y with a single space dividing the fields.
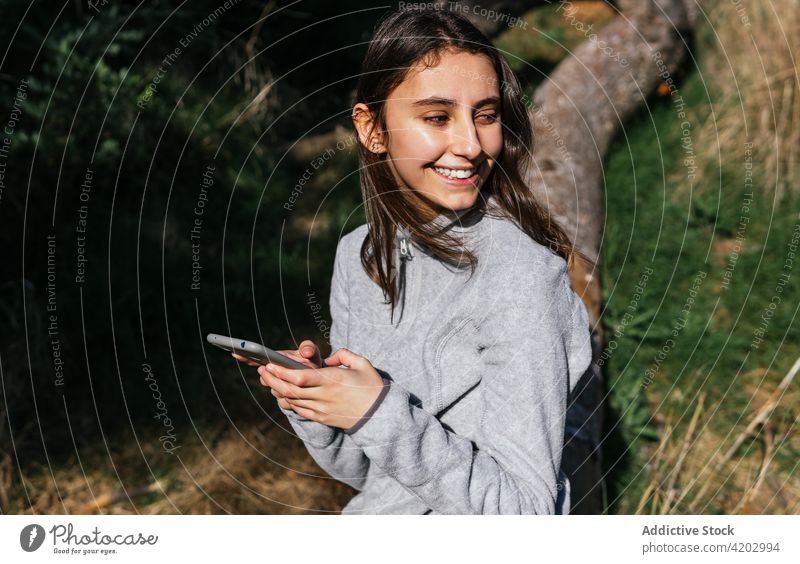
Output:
x=330 y=447
x=538 y=341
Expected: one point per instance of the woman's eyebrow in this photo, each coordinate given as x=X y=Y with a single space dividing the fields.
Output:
x=436 y=101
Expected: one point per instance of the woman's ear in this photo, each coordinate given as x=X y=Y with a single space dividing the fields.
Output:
x=368 y=132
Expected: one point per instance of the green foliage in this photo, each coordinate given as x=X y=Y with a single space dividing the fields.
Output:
x=125 y=109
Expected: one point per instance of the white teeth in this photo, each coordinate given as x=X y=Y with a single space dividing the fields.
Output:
x=453 y=173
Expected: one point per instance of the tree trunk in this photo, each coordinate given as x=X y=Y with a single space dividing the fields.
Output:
x=585 y=101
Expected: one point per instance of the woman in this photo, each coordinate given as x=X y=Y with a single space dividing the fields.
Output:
x=463 y=335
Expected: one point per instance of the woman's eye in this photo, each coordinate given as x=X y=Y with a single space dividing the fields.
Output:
x=488 y=118
x=436 y=120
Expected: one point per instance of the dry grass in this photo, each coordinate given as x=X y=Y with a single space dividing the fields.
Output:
x=752 y=72
x=701 y=469
x=228 y=475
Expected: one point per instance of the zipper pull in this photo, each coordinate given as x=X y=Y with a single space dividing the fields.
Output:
x=405 y=249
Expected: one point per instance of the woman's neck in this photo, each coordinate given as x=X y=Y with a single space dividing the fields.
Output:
x=447 y=218
x=459 y=219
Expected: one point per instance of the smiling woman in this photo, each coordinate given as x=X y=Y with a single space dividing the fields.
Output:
x=434 y=93
x=458 y=405
x=443 y=136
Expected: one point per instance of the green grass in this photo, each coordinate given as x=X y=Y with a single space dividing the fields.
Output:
x=677 y=233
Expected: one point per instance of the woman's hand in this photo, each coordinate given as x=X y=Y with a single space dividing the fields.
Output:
x=333 y=396
x=307 y=353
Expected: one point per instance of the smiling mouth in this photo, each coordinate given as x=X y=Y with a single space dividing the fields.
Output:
x=457 y=175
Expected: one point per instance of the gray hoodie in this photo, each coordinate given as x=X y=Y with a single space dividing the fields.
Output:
x=477 y=372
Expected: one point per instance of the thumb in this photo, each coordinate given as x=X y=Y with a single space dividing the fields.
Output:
x=344 y=357
x=309 y=350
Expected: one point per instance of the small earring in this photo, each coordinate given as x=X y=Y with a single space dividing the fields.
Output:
x=376 y=147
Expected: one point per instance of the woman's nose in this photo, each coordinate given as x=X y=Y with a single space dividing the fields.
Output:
x=464 y=140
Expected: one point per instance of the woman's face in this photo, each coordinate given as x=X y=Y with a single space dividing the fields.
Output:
x=444 y=131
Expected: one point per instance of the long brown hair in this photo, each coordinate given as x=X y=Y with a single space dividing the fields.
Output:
x=401 y=40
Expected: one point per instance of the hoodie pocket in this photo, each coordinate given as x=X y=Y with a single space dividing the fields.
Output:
x=453 y=356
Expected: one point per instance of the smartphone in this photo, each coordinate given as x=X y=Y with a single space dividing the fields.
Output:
x=253 y=351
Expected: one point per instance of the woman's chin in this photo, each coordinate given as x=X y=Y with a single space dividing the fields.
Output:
x=459 y=199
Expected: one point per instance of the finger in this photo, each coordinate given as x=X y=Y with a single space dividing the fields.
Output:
x=345 y=357
x=263 y=380
x=309 y=349
x=304 y=403
x=307 y=413
x=283 y=388
x=294 y=355
x=286 y=389
x=246 y=360
x=283 y=403
x=275 y=393
x=298 y=377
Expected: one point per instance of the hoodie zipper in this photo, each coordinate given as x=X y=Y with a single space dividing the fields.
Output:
x=405 y=249
x=405 y=256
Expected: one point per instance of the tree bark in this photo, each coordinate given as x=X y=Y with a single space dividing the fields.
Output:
x=584 y=103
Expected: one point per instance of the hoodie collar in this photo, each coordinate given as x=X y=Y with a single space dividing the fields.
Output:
x=462 y=221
